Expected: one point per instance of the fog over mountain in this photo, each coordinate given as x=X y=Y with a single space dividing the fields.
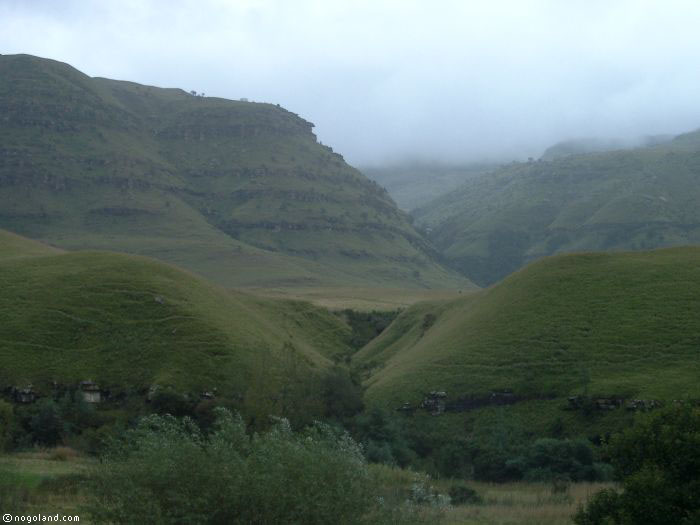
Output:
x=453 y=81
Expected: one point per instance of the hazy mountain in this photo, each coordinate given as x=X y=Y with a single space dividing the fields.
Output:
x=621 y=200
x=240 y=192
x=413 y=185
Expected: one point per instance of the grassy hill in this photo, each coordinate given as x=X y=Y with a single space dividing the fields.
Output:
x=129 y=322
x=601 y=325
x=635 y=199
x=239 y=192
x=15 y=247
x=415 y=185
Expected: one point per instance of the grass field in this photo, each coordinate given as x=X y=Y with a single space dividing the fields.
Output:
x=522 y=504
x=359 y=298
x=518 y=503
x=33 y=483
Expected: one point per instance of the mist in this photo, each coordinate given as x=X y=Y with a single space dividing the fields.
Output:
x=450 y=81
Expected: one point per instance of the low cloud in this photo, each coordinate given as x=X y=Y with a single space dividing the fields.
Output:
x=453 y=81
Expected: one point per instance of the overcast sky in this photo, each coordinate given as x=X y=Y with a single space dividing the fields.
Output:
x=387 y=80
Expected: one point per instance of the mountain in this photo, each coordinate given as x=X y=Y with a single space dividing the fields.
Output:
x=413 y=185
x=635 y=199
x=129 y=322
x=237 y=191
x=601 y=325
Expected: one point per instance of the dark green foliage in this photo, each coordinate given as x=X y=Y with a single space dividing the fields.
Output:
x=173 y=403
x=167 y=470
x=658 y=461
x=383 y=437
x=550 y=459
x=6 y=424
x=428 y=321
x=602 y=509
x=342 y=393
x=366 y=326
x=461 y=494
x=45 y=423
x=50 y=422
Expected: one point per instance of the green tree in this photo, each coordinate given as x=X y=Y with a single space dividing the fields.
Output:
x=658 y=462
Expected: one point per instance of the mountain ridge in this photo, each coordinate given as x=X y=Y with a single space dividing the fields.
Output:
x=635 y=199
x=241 y=192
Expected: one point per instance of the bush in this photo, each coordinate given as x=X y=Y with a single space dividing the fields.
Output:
x=549 y=459
x=342 y=394
x=382 y=437
x=6 y=424
x=658 y=461
x=463 y=495
x=167 y=470
x=171 y=402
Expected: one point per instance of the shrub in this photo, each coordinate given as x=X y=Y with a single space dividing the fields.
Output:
x=461 y=494
x=6 y=424
x=168 y=470
x=342 y=394
x=658 y=461
x=549 y=459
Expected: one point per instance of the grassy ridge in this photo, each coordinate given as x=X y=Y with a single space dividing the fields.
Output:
x=635 y=199
x=14 y=246
x=605 y=324
x=239 y=192
x=130 y=322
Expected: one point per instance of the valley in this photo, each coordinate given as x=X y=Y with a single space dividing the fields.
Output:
x=191 y=283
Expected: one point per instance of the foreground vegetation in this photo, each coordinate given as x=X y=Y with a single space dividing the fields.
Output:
x=176 y=471
x=658 y=461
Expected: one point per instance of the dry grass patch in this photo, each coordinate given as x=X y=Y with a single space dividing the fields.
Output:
x=523 y=504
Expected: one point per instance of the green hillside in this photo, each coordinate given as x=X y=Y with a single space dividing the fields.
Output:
x=129 y=322
x=636 y=199
x=239 y=192
x=600 y=325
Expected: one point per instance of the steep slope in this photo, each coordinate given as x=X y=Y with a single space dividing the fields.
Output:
x=624 y=200
x=129 y=322
x=240 y=192
x=620 y=325
x=15 y=246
